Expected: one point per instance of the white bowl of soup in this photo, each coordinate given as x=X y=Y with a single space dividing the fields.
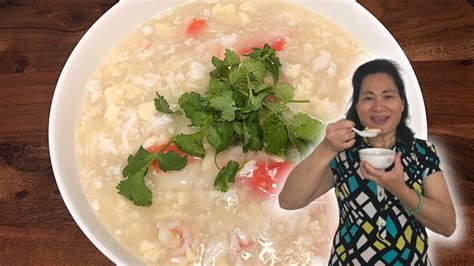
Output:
x=377 y=157
x=103 y=110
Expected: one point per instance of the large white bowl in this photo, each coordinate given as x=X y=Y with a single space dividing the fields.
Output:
x=128 y=15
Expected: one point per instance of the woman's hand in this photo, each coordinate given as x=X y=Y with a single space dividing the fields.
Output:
x=312 y=177
x=438 y=212
x=339 y=136
x=393 y=180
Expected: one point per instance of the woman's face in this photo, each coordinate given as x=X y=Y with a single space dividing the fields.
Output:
x=380 y=105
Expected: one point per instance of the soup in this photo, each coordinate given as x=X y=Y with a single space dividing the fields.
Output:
x=189 y=221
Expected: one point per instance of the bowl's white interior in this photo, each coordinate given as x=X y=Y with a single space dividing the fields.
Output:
x=126 y=16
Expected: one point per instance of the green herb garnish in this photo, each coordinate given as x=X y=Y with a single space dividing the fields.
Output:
x=226 y=175
x=134 y=187
x=240 y=107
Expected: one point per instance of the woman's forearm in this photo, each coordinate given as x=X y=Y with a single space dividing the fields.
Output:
x=306 y=179
x=435 y=215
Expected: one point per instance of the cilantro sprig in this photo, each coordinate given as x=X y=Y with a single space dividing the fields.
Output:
x=134 y=187
x=239 y=108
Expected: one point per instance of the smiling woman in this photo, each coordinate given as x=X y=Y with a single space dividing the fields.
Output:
x=383 y=213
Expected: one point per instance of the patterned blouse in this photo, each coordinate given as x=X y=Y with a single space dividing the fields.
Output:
x=374 y=227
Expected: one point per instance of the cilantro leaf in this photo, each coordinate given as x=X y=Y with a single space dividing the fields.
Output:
x=237 y=78
x=220 y=136
x=140 y=161
x=301 y=145
x=192 y=104
x=254 y=103
x=171 y=161
x=240 y=99
x=226 y=176
x=218 y=63
x=231 y=58
x=284 y=92
x=225 y=104
x=215 y=86
x=191 y=143
x=253 y=134
x=263 y=87
x=269 y=59
x=275 y=135
x=161 y=105
x=307 y=128
x=219 y=72
x=238 y=128
x=274 y=70
x=134 y=187
x=255 y=68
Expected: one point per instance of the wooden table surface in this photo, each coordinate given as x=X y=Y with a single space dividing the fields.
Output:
x=36 y=38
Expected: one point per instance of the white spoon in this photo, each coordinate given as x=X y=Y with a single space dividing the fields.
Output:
x=367 y=133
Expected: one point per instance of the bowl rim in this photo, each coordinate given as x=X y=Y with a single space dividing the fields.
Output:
x=55 y=149
x=367 y=151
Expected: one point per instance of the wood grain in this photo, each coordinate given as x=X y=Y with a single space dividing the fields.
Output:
x=36 y=37
x=428 y=30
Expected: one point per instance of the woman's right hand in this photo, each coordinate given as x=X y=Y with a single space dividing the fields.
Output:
x=339 y=136
x=312 y=177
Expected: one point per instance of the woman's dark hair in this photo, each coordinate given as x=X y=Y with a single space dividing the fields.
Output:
x=404 y=135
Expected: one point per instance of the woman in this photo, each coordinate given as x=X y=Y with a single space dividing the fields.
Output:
x=383 y=214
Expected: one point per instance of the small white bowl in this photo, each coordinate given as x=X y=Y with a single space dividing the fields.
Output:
x=378 y=158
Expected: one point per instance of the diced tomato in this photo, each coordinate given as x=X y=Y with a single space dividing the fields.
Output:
x=171 y=147
x=276 y=44
x=248 y=50
x=244 y=51
x=195 y=27
x=269 y=176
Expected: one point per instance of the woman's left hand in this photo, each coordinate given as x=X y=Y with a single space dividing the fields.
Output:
x=393 y=180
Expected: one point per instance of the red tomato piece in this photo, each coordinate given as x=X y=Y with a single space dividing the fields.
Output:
x=171 y=147
x=278 y=44
x=195 y=27
x=268 y=177
x=248 y=50
x=244 y=51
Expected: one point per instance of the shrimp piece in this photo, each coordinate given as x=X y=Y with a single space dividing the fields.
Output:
x=240 y=241
x=175 y=235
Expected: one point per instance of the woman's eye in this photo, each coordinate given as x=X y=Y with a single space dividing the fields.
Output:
x=367 y=98
x=389 y=97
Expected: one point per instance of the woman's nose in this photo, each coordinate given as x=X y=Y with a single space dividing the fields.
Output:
x=379 y=105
